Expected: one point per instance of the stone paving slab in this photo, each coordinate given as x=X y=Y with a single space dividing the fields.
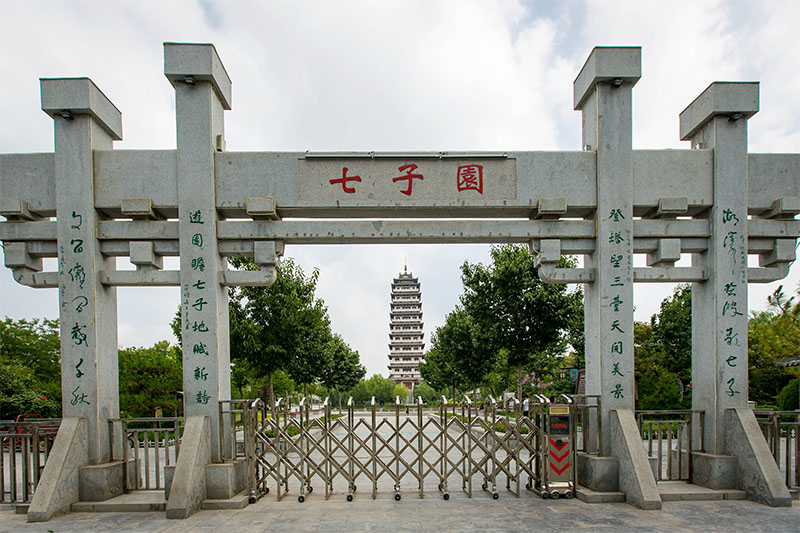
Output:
x=680 y=490
x=480 y=513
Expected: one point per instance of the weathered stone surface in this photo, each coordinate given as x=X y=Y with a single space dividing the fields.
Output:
x=600 y=474
x=224 y=480
x=204 y=300
x=635 y=475
x=59 y=485
x=188 y=489
x=105 y=481
x=758 y=475
x=714 y=471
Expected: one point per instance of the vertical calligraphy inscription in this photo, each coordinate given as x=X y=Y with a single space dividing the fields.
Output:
x=733 y=322
x=197 y=309
x=620 y=260
x=75 y=294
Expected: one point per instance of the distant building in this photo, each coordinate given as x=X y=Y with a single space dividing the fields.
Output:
x=405 y=331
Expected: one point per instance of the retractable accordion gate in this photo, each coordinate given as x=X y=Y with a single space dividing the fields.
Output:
x=409 y=449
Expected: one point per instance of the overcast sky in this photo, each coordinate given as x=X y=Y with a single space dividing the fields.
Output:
x=388 y=75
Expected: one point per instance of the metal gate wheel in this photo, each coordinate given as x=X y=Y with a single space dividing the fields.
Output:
x=495 y=495
x=397 y=497
x=446 y=496
x=301 y=499
x=310 y=489
x=349 y=497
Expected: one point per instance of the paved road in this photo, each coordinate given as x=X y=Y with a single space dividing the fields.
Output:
x=526 y=513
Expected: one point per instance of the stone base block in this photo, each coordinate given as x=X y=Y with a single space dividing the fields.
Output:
x=600 y=474
x=714 y=471
x=224 y=480
x=105 y=481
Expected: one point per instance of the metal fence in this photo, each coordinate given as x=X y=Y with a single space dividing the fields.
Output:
x=671 y=436
x=148 y=445
x=781 y=429
x=403 y=449
x=25 y=449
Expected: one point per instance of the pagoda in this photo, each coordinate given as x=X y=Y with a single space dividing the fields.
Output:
x=405 y=330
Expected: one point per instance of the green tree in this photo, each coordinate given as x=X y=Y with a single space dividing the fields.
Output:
x=149 y=378
x=773 y=335
x=789 y=397
x=280 y=327
x=30 y=368
x=342 y=369
x=516 y=311
x=439 y=369
x=240 y=375
x=656 y=386
x=401 y=391
x=359 y=393
x=381 y=388
x=575 y=331
x=672 y=335
x=460 y=340
x=426 y=392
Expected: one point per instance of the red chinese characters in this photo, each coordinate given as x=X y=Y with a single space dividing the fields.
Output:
x=344 y=179
x=470 y=178
x=410 y=176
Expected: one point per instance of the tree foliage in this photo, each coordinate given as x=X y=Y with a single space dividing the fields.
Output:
x=149 y=378
x=426 y=392
x=517 y=312
x=672 y=335
x=439 y=369
x=280 y=327
x=459 y=340
x=656 y=386
x=342 y=369
x=30 y=368
x=773 y=336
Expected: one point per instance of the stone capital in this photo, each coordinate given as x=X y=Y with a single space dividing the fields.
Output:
x=66 y=97
x=733 y=99
x=198 y=62
x=604 y=64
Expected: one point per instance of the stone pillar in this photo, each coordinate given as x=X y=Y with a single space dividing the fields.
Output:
x=717 y=120
x=202 y=93
x=85 y=120
x=602 y=92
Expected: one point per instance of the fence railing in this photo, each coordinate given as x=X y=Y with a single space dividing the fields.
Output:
x=672 y=435
x=781 y=429
x=25 y=449
x=148 y=445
